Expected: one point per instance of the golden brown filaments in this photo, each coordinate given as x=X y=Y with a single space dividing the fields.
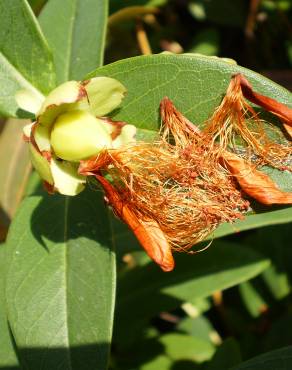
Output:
x=186 y=194
x=236 y=126
x=180 y=186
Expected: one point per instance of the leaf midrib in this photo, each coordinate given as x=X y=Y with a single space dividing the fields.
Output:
x=66 y=258
x=70 y=40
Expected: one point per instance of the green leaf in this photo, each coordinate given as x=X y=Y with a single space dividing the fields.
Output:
x=280 y=216
x=186 y=347
x=253 y=300
x=8 y=356
x=15 y=167
x=196 y=84
x=25 y=60
x=75 y=30
x=60 y=283
x=33 y=185
x=199 y=327
x=145 y=291
x=281 y=359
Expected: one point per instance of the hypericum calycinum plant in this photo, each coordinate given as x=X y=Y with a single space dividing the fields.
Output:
x=173 y=192
x=180 y=148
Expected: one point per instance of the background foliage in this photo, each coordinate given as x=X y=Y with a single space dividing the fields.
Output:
x=227 y=308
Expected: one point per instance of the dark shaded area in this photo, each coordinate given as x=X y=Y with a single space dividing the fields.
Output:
x=82 y=216
x=261 y=40
x=4 y=224
x=81 y=357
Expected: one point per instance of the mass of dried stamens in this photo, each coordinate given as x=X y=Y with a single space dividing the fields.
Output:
x=178 y=185
x=179 y=189
x=235 y=124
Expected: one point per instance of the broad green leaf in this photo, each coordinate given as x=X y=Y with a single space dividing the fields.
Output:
x=280 y=359
x=145 y=291
x=25 y=59
x=15 y=167
x=75 y=30
x=60 y=283
x=196 y=84
x=226 y=356
x=8 y=357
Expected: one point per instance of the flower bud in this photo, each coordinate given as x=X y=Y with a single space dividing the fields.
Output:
x=70 y=126
x=78 y=135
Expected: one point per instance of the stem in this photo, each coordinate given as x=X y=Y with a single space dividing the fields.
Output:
x=251 y=18
x=142 y=39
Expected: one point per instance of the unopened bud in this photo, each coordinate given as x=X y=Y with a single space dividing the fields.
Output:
x=78 y=135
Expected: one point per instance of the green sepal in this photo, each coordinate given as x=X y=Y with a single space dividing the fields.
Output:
x=41 y=165
x=67 y=93
x=67 y=181
x=104 y=94
x=29 y=101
